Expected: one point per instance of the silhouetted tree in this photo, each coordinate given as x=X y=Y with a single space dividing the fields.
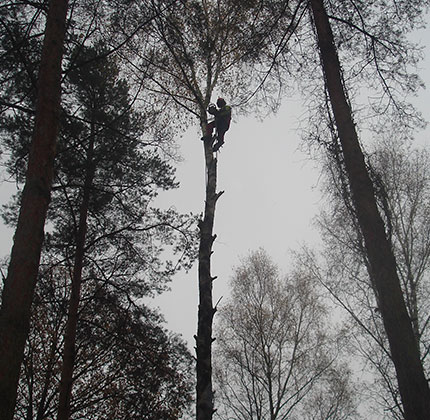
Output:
x=22 y=24
x=413 y=387
x=19 y=286
x=201 y=48
x=274 y=355
x=126 y=367
x=400 y=174
x=106 y=181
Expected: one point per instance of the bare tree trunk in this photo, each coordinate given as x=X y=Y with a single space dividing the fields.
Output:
x=66 y=382
x=205 y=405
x=414 y=389
x=42 y=404
x=25 y=256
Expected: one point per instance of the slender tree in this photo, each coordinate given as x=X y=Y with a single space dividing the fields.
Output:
x=102 y=172
x=22 y=274
x=126 y=365
x=413 y=386
x=400 y=174
x=274 y=355
x=105 y=166
x=95 y=99
x=214 y=49
x=203 y=48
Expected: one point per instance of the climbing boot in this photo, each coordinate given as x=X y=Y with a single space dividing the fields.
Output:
x=218 y=145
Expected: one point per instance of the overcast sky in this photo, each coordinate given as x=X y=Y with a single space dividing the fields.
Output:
x=271 y=195
x=269 y=200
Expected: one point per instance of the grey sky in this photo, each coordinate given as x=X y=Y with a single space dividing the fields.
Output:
x=269 y=201
x=271 y=195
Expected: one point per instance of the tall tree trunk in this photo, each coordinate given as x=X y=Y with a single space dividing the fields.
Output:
x=52 y=359
x=205 y=405
x=66 y=381
x=25 y=256
x=414 y=389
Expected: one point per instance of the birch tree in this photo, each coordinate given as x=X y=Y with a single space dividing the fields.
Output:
x=371 y=40
x=274 y=356
x=200 y=49
x=400 y=172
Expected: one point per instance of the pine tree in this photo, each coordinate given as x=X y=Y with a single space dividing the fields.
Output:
x=126 y=366
x=22 y=274
x=413 y=386
x=106 y=174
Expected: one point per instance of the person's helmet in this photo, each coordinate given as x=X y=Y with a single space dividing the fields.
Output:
x=212 y=109
x=221 y=102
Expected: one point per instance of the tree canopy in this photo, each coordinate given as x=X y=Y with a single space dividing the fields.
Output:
x=93 y=96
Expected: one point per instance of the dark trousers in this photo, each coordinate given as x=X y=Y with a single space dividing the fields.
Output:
x=220 y=131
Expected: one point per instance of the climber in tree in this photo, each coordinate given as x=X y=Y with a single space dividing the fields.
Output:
x=221 y=122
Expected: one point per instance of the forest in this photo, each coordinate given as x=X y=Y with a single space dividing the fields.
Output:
x=177 y=151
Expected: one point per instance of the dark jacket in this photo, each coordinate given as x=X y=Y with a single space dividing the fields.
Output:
x=223 y=118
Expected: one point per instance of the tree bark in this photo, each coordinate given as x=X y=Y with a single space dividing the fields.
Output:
x=42 y=404
x=205 y=405
x=25 y=256
x=413 y=387
x=66 y=382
